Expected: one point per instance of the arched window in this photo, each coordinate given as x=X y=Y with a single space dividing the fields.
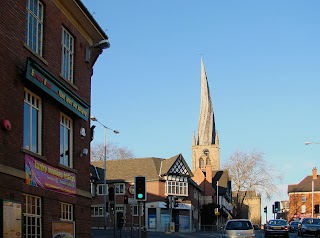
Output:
x=208 y=161
x=201 y=163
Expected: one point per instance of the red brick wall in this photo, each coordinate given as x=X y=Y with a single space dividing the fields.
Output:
x=12 y=63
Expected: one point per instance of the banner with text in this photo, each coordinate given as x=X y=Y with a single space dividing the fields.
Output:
x=42 y=175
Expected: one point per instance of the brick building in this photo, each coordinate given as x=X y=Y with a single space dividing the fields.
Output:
x=48 y=49
x=164 y=178
x=302 y=200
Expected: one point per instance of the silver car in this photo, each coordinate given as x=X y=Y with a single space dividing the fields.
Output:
x=238 y=228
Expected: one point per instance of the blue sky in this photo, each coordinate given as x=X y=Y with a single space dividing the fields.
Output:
x=262 y=61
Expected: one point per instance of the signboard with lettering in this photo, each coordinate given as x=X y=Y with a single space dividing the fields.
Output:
x=48 y=83
x=10 y=216
x=42 y=175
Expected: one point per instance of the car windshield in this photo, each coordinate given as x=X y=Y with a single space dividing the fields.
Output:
x=311 y=221
x=239 y=225
x=294 y=223
x=277 y=222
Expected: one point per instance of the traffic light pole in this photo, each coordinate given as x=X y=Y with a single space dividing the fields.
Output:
x=266 y=212
x=139 y=215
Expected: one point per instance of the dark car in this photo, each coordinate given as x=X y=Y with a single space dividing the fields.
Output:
x=293 y=226
x=309 y=226
x=277 y=227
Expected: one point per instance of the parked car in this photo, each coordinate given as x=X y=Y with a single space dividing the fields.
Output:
x=240 y=228
x=276 y=227
x=309 y=226
x=293 y=226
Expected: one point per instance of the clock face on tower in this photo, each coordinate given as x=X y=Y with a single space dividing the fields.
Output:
x=205 y=152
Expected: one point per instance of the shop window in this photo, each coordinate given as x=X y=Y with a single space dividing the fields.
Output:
x=67 y=59
x=66 y=211
x=32 y=219
x=32 y=122
x=34 y=25
x=119 y=188
x=65 y=141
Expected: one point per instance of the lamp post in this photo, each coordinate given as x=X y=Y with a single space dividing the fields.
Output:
x=314 y=176
x=93 y=118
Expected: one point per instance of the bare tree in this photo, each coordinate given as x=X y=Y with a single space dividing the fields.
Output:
x=114 y=152
x=249 y=173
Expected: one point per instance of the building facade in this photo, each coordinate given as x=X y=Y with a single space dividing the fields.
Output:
x=48 y=50
x=251 y=208
x=173 y=199
x=304 y=197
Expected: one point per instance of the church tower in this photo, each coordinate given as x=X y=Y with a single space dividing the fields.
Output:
x=205 y=145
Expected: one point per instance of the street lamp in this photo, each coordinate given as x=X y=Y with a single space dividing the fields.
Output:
x=309 y=143
x=93 y=118
x=314 y=176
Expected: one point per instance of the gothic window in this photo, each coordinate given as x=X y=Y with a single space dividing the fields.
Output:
x=201 y=163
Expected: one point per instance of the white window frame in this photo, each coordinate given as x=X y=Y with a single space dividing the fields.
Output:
x=66 y=125
x=100 y=189
x=303 y=198
x=34 y=25
x=66 y=211
x=176 y=188
x=32 y=104
x=134 y=210
x=32 y=216
x=303 y=209
x=119 y=208
x=119 y=188
x=97 y=210
x=67 y=55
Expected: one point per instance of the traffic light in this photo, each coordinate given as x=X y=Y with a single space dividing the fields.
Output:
x=111 y=193
x=175 y=202
x=167 y=202
x=276 y=206
x=140 y=188
x=125 y=199
x=316 y=208
x=265 y=209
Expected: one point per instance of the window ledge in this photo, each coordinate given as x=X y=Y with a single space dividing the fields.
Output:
x=68 y=168
x=35 y=54
x=68 y=82
x=24 y=150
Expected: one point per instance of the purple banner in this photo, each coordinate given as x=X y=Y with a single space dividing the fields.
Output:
x=42 y=175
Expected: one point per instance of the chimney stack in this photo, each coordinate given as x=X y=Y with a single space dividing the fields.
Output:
x=314 y=173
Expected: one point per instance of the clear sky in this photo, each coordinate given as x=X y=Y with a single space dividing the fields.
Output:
x=262 y=60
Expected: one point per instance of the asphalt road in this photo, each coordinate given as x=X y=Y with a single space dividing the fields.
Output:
x=128 y=234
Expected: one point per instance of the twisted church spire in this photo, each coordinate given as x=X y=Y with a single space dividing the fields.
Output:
x=206 y=127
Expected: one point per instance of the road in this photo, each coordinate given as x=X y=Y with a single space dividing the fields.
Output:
x=128 y=234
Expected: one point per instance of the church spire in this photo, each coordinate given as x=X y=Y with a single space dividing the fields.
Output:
x=206 y=127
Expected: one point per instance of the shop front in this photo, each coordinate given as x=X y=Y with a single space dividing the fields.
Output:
x=161 y=219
